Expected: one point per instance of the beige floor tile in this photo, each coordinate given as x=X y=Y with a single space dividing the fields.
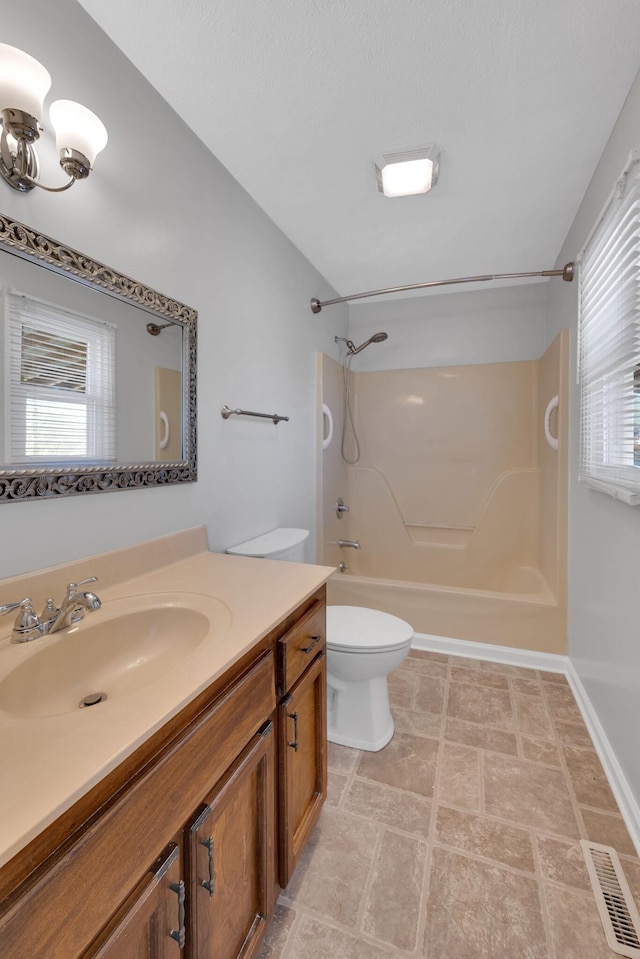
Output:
x=401 y=685
x=632 y=874
x=562 y=705
x=335 y=787
x=608 y=829
x=576 y=929
x=429 y=695
x=540 y=751
x=392 y=913
x=279 y=930
x=318 y=940
x=428 y=655
x=481 y=704
x=331 y=874
x=407 y=762
x=588 y=779
x=532 y=718
x=526 y=687
x=563 y=862
x=342 y=759
x=461 y=674
x=485 y=837
x=356 y=888
x=528 y=794
x=487 y=666
x=553 y=677
x=459 y=782
x=428 y=667
x=384 y=805
x=478 y=911
x=419 y=724
x=483 y=737
x=573 y=734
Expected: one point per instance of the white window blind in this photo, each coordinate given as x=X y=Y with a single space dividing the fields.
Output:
x=59 y=384
x=609 y=346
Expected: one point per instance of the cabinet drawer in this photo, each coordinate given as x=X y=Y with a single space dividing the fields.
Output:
x=300 y=645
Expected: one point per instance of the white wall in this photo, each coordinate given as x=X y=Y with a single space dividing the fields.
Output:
x=176 y=220
x=489 y=325
x=604 y=535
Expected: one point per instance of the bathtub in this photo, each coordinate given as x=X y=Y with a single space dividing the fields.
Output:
x=531 y=620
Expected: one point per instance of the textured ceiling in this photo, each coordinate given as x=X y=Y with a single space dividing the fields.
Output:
x=297 y=98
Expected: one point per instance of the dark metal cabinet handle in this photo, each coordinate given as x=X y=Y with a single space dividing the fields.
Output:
x=314 y=642
x=210 y=883
x=179 y=933
x=294 y=744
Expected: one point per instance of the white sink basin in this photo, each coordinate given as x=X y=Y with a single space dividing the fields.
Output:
x=125 y=645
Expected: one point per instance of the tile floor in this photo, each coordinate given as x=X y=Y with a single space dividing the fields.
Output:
x=458 y=840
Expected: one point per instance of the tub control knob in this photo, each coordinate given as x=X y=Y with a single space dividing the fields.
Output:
x=340 y=507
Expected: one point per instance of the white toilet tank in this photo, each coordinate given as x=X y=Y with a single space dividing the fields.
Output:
x=282 y=543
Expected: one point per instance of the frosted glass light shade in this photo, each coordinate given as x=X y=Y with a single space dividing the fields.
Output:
x=77 y=129
x=24 y=83
x=408 y=174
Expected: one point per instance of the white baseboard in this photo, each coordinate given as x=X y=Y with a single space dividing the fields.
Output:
x=627 y=802
x=549 y=662
x=529 y=659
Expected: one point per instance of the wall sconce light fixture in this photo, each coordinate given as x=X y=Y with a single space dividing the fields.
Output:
x=80 y=135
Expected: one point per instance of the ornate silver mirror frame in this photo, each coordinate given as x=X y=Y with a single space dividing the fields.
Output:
x=20 y=485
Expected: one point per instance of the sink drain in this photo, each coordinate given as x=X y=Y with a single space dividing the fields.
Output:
x=92 y=699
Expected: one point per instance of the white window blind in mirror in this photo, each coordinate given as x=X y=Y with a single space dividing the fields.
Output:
x=609 y=345
x=59 y=377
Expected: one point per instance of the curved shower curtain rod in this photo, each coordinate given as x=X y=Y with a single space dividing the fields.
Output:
x=567 y=273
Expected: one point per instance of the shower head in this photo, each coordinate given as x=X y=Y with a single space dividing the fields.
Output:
x=376 y=338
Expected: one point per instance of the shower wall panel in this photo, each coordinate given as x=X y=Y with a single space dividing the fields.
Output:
x=457 y=490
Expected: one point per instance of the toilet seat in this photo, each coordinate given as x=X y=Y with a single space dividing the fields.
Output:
x=360 y=629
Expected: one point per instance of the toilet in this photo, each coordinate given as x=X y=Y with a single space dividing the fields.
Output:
x=363 y=646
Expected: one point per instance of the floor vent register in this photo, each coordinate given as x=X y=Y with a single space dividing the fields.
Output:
x=617 y=909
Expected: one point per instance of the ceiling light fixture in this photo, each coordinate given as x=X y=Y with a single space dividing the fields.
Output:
x=409 y=173
x=80 y=135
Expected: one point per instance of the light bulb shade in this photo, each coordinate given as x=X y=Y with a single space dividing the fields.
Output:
x=77 y=129
x=24 y=83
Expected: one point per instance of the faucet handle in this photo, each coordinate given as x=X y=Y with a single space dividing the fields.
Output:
x=27 y=618
x=72 y=588
x=83 y=582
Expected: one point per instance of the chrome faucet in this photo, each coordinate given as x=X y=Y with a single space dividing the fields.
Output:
x=28 y=625
x=353 y=543
x=73 y=608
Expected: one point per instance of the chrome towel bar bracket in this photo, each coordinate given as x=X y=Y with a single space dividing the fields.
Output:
x=226 y=412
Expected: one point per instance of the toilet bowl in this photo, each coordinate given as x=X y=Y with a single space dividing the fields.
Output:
x=363 y=646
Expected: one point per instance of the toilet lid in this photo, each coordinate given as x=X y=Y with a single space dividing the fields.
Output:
x=361 y=628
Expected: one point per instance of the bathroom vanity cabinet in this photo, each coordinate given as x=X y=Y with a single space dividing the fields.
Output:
x=302 y=733
x=181 y=849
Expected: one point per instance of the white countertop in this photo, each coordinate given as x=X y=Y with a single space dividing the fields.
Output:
x=49 y=762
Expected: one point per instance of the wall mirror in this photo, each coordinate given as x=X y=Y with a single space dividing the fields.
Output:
x=98 y=375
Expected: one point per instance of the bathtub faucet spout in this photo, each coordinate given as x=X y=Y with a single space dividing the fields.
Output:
x=353 y=543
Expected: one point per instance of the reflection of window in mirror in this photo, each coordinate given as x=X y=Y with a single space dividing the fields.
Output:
x=59 y=384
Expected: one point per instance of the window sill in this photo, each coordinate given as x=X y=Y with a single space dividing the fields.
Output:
x=621 y=493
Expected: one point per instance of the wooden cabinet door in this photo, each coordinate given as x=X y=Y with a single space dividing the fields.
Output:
x=230 y=858
x=150 y=925
x=302 y=735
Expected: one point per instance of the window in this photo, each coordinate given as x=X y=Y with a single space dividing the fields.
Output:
x=59 y=384
x=609 y=345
